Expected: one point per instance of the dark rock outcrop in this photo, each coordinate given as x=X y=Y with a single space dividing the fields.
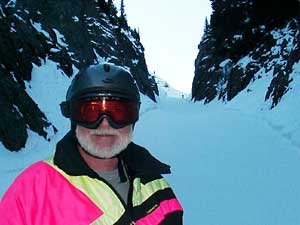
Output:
x=245 y=41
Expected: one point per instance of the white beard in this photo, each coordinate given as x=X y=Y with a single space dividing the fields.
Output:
x=118 y=146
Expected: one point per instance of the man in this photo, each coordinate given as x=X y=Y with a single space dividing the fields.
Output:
x=97 y=175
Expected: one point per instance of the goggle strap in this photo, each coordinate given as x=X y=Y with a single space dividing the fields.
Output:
x=65 y=109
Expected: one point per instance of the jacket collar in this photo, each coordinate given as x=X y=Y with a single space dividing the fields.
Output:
x=137 y=159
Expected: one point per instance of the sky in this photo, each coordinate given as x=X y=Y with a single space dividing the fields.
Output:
x=170 y=31
x=241 y=168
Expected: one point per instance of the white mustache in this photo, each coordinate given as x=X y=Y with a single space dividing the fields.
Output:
x=105 y=131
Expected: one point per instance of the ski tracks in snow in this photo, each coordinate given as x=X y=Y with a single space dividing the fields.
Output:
x=286 y=131
x=229 y=167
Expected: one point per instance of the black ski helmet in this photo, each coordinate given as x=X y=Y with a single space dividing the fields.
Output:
x=103 y=79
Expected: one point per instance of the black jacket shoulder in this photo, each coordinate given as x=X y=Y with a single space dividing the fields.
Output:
x=136 y=158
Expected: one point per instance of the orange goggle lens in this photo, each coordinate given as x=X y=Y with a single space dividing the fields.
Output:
x=119 y=111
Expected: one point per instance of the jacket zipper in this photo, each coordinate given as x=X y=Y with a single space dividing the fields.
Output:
x=128 y=210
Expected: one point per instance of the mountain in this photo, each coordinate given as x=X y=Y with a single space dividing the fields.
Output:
x=244 y=42
x=72 y=34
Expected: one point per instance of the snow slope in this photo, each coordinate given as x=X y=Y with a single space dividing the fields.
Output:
x=229 y=167
x=232 y=164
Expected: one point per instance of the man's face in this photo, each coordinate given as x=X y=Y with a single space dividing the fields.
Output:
x=105 y=141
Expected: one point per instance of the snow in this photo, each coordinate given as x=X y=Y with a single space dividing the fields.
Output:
x=38 y=27
x=232 y=164
x=98 y=57
x=75 y=18
x=243 y=62
x=281 y=35
x=128 y=34
x=60 y=38
x=165 y=90
x=11 y=3
x=225 y=62
x=238 y=36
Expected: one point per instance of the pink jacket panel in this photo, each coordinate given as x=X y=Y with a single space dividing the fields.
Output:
x=30 y=200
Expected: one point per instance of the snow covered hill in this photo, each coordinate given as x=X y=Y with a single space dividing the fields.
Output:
x=232 y=164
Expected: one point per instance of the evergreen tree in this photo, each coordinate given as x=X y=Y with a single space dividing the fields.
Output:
x=122 y=8
x=136 y=34
x=112 y=8
x=206 y=27
x=213 y=4
x=122 y=18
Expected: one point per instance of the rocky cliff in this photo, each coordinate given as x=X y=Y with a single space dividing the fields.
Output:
x=246 y=41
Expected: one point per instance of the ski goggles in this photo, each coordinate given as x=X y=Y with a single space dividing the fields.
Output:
x=90 y=112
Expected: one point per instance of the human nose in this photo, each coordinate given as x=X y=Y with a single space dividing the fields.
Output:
x=104 y=123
